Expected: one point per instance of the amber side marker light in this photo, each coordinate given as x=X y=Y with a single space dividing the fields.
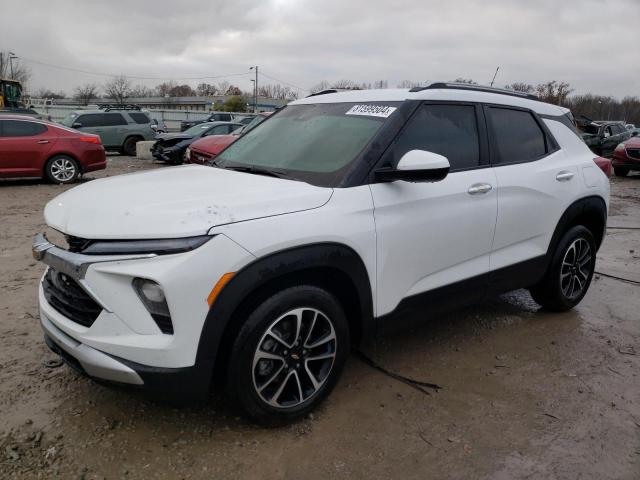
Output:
x=224 y=279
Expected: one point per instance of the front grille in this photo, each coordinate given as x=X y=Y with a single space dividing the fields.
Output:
x=634 y=152
x=68 y=298
x=77 y=244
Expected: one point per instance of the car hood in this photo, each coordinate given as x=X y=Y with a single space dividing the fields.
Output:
x=172 y=136
x=214 y=143
x=175 y=202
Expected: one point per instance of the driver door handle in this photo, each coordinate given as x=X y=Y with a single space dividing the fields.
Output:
x=564 y=176
x=43 y=141
x=479 y=188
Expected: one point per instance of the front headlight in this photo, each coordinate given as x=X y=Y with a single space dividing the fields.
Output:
x=163 y=246
x=152 y=296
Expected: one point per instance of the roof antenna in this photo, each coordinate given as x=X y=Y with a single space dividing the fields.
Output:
x=494 y=76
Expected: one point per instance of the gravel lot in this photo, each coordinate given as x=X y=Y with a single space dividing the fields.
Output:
x=526 y=394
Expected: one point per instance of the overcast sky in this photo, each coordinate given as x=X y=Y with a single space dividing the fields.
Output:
x=592 y=44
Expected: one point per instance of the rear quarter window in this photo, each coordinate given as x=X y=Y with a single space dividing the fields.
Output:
x=517 y=136
x=140 y=118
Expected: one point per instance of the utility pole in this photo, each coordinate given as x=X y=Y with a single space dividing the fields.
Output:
x=253 y=93
x=11 y=57
x=494 y=76
x=255 y=97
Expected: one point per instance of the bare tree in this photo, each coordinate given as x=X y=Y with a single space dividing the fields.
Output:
x=21 y=72
x=142 y=91
x=206 y=90
x=410 y=84
x=464 y=80
x=48 y=93
x=553 y=92
x=119 y=88
x=223 y=87
x=520 y=87
x=277 y=91
x=85 y=93
x=323 y=85
x=380 y=84
x=164 y=89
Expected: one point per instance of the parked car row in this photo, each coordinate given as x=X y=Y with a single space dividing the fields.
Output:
x=205 y=149
x=217 y=117
x=171 y=147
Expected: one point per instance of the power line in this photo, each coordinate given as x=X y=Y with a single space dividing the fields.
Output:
x=137 y=77
x=282 y=81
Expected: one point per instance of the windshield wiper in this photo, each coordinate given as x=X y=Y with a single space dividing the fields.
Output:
x=257 y=171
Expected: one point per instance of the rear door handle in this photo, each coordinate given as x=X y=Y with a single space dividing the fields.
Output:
x=43 y=141
x=479 y=188
x=564 y=176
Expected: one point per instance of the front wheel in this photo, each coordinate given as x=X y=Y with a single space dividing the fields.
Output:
x=61 y=169
x=570 y=271
x=289 y=354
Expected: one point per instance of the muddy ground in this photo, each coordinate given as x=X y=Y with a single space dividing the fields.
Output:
x=526 y=394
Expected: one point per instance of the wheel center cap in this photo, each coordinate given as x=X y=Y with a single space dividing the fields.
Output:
x=295 y=356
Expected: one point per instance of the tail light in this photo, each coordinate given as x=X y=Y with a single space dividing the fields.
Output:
x=94 y=139
x=603 y=164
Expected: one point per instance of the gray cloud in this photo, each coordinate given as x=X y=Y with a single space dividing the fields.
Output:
x=592 y=43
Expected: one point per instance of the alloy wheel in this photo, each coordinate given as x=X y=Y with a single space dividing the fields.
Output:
x=63 y=169
x=576 y=268
x=294 y=357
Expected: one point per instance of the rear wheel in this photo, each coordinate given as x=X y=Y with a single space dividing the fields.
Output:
x=570 y=272
x=129 y=146
x=61 y=169
x=620 y=172
x=289 y=354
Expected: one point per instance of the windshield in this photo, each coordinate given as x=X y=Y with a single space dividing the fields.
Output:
x=68 y=120
x=313 y=143
x=198 y=129
x=591 y=129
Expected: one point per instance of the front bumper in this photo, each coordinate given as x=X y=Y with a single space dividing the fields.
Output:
x=124 y=344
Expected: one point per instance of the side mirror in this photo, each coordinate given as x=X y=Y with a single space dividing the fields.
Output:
x=76 y=125
x=417 y=166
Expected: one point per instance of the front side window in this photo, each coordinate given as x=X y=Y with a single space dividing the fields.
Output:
x=90 y=120
x=19 y=128
x=315 y=143
x=448 y=130
x=518 y=137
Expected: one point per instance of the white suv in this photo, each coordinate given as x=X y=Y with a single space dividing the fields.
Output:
x=314 y=230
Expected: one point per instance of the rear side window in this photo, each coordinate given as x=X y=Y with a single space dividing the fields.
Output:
x=140 y=118
x=19 y=128
x=449 y=130
x=518 y=136
x=90 y=120
x=222 y=117
x=113 y=119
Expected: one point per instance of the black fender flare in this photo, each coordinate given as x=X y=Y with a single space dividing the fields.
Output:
x=271 y=268
x=592 y=207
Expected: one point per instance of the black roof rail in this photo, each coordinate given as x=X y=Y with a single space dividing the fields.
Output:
x=324 y=92
x=475 y=88
x=118 y=106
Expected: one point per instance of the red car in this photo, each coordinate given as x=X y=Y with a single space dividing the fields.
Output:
x=604 y=164
x=36 y=148
x=203 y=150
x=626 y=157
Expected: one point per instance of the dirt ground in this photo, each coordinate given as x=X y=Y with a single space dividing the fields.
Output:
x=526 y=393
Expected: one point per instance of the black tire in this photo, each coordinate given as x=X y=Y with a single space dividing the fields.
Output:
x=61 y=169
x=620 y=172
x=254 y=381
x=129 y=146
x=569 y=263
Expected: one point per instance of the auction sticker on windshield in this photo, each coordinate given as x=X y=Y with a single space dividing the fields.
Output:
x=371 y=110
